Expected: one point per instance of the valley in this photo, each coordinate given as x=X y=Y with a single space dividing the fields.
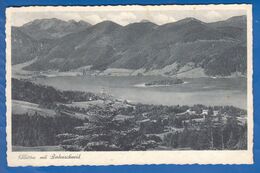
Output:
x=78 y=86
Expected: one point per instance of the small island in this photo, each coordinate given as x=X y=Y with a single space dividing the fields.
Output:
x=172 y=81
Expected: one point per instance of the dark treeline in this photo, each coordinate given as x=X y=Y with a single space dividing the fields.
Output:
x=28 y=91
x=37 y=130
x=228 y=136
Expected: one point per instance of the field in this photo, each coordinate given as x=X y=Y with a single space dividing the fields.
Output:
x=22 y=107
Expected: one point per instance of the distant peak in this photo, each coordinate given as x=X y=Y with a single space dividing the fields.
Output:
x=44 y=21
x=81 y=22
x=189 y=19
x=142 y=23
x=49 y=20
x=55 y=22
x=107 y=23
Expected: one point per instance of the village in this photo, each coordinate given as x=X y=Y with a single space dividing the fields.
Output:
x=101 y=122
x=151 y=124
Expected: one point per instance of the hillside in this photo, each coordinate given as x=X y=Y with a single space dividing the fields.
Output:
x=218 y=48
x=25 y=48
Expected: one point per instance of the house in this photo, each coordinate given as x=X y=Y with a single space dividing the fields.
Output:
x=191 y=112
x=215 y=113
x=204 y=112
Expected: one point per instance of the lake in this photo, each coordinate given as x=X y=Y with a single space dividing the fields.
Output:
x=206 y=91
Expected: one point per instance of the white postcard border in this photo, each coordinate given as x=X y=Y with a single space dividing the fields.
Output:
x=130 y=157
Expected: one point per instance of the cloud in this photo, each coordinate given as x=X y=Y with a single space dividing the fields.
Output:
x=68 y=16
x=122 y=18
x=162 y=19
x=93 y=19
x=213 y=16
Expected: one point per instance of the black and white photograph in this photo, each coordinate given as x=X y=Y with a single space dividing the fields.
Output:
x=130 y=79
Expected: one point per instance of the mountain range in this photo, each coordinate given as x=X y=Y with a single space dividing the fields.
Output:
x=215 y=49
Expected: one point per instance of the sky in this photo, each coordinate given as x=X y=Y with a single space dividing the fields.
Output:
x=124 y=16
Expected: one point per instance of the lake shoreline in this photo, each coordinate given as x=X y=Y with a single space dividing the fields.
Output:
x=208 y=91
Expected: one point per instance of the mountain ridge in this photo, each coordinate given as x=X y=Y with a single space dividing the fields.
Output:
x=52 y=28
x=145 y=45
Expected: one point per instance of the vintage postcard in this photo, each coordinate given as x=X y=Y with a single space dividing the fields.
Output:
x=120 y=85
